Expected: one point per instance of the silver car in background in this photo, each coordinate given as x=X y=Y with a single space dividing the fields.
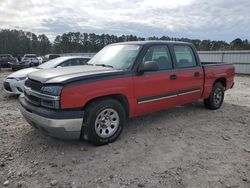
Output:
x=28 y=60
x=14 y=83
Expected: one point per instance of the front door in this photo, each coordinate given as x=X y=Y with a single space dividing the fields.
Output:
x=156 y=90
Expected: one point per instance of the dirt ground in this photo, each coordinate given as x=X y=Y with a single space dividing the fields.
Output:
x=188 y=146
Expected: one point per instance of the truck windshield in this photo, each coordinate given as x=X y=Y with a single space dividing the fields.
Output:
x=116 y=56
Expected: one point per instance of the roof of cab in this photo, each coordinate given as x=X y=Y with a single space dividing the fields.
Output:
x=152 y=42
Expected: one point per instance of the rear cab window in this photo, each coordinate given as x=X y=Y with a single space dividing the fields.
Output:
x=184 y=56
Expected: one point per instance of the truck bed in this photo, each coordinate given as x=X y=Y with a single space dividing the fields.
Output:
x=214 y=71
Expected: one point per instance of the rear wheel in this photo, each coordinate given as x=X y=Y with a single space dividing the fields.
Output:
x=216 y=97
x=104 y=120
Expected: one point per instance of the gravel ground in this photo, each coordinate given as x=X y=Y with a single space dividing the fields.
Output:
x=188 y=146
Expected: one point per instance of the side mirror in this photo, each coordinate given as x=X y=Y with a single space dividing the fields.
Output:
x=148 y=66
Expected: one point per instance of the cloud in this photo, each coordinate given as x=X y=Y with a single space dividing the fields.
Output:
x=218 y=20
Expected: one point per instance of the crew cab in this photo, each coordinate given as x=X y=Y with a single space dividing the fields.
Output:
x=121 y=81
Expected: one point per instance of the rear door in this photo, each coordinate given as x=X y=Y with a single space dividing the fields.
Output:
x=155 y=90
x=188 y=73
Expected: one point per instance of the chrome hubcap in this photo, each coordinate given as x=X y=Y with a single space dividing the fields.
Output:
x=217 y=95
x=106 y=123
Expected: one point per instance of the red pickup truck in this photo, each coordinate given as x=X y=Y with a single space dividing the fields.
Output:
x=122 y=80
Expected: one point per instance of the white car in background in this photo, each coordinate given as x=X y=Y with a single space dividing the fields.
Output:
x=14 y=83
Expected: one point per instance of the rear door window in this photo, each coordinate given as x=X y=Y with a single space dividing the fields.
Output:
x=74 y=62
x=82 y=61
x=65 y=63
x=184 y=56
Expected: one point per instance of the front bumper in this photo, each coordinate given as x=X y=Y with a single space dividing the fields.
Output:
x=13 y=86
x=56 y=123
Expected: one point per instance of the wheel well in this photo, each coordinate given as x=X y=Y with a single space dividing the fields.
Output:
x=221 y=80
x=119 y=97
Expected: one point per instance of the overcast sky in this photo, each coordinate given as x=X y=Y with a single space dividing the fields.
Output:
x=216 y=20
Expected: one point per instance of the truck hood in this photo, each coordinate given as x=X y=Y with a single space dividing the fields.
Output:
x=65 y=75
x=22 y=73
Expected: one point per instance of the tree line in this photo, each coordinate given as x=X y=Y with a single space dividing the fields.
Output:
x=18 y=42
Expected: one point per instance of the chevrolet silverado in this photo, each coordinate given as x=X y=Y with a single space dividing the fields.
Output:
x=121 y=81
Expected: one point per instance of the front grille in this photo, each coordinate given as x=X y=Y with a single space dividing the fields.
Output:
x=33 y=95
x=32 y=99
x=34 y=85
x=6 y=86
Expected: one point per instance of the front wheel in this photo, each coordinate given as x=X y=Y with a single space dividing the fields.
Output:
x=216 y=97
x=103 y=121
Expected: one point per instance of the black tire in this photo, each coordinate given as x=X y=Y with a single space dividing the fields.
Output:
x=216 y=97
x=96 y=110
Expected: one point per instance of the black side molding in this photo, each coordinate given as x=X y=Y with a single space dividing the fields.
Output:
x=167 y=95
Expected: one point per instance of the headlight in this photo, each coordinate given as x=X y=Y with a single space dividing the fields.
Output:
x=52 y=90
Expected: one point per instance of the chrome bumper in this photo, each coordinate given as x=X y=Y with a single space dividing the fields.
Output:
x=59 y=128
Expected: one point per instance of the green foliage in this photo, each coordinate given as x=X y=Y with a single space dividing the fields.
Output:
x=87 y=42
x=18 y=42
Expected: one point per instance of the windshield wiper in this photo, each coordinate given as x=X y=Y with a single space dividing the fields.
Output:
x=104 y=65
